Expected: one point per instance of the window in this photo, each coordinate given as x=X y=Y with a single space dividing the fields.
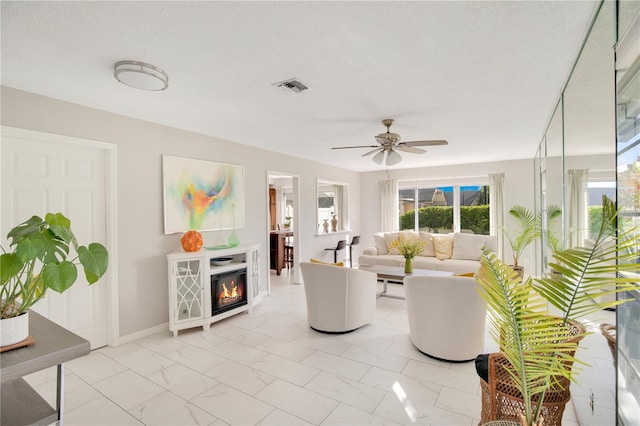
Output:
x=595 y=191
x=444 y=209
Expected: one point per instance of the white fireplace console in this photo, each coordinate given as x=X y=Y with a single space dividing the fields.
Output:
x=190 y=295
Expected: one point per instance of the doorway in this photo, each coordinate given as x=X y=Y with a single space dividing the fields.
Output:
x=283 y=220
x=43 y=173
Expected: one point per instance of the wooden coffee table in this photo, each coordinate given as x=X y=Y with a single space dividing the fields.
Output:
x=397 y=274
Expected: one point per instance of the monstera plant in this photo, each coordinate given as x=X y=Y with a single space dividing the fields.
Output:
x=38 y=259
x=527 y=332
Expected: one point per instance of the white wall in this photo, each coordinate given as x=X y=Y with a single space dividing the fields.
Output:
x=518 y=184
x=142 y=245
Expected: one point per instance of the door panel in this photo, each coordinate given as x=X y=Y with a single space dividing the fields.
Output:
x=40 y=177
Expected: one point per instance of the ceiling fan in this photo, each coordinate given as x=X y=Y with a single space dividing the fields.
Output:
x=389 y=143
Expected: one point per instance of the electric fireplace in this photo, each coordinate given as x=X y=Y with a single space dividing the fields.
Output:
x=228 y=291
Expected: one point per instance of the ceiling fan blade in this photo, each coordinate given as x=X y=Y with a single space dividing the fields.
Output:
x=393 y=158
x=379 y=157
x=382 y=140
x=411 y=149
x=371 y=152
x=425 y=143
x=356 y=146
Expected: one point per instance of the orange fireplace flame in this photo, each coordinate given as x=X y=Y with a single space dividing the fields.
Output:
x=229 y=294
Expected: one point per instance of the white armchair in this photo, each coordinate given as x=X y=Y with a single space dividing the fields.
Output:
x=339 y=299
x=447 y=317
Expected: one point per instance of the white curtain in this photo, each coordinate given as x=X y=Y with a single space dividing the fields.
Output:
x=388 y=205
x=577 y=206
x=496 y=209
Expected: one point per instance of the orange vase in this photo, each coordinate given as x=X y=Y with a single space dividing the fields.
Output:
x=191 y=241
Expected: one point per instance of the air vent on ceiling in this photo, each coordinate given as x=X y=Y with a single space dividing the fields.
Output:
x=291 y=85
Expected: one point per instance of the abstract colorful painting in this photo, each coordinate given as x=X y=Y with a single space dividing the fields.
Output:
x=201 y=195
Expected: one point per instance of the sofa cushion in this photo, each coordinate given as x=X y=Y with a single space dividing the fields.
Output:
x=381 y=243
x=424 y=262
x=459 y=266
x=443 y=245
x=469 y=246
x=429 y=249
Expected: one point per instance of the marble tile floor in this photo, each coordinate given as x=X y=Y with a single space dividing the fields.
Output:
x=270 y=368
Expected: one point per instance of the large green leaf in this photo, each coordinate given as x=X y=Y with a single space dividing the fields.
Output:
x=61 y=227
x=95 y=260
x=59 y=277
x=56 y=250
x=29 y=227
x=10 y=266
x=31 y=247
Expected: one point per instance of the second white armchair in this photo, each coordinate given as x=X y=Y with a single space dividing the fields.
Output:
x=447 y=317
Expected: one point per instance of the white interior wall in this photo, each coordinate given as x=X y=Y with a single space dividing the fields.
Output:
x=142 y=245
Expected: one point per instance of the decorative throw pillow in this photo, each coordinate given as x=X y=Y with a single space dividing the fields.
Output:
x=428 y=250
x=408 y=234
x=381 y=244
x=491 y=243
x=443 y=245
x=312 y=260
x=467 y=246
x=390 y=237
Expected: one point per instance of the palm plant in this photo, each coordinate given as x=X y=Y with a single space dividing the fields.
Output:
x=554 y=212
x=536 y=342
x=529 y=228
x=585 y=272
x=527 y=231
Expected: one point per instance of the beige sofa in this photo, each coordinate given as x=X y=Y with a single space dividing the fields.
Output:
x=455 y=252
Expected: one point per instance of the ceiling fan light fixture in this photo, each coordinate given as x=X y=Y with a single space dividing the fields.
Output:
x=378 y=157
x=141 y=75
x=393 y=158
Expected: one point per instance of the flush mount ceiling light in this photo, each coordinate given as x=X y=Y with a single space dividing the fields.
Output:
x=140 y=75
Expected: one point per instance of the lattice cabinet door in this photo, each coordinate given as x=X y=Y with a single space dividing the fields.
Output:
x=254 y=271
x=186 y=292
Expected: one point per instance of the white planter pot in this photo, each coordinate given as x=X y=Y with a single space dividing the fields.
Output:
x=14 y=330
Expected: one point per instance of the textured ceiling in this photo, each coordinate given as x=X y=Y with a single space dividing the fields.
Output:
x=484 y=75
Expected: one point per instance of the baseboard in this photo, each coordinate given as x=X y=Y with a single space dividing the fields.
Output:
x=142 y=333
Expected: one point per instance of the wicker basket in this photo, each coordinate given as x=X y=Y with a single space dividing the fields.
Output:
x=502 y=400
x=609 y=331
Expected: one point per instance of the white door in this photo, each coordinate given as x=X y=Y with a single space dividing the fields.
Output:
x=40 y=176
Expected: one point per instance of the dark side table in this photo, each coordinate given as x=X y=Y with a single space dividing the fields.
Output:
x=21 y=404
